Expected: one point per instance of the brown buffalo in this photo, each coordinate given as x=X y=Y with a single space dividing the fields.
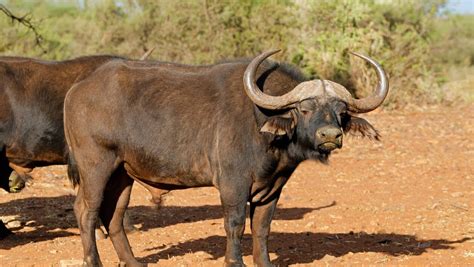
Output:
x=242 y=127
x=31 y=111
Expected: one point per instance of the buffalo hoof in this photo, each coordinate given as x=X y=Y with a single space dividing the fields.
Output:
x=135 y=264
x=265 y=265
x=16 y=183
x=89 y=262
x=234 y=264
x=4 y=232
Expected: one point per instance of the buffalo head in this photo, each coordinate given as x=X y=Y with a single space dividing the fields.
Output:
x=315 y=114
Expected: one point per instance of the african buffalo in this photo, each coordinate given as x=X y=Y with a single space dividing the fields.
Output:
x=31 y=111
x=174 y=126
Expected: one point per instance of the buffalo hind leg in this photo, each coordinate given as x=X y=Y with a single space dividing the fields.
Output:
x=95 y=175
x=101 y=233
x=234 y=200
x=116 y=198
x=261 y=215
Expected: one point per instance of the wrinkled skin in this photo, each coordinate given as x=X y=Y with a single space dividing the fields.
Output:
x=172 y=127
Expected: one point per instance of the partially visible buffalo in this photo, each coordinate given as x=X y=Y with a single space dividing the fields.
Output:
x=31 y=115
x=31 y=110
x=231 y=126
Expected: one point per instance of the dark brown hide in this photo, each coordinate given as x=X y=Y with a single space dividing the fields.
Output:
x=31 y=108
x=173 y=126
x=31 y=112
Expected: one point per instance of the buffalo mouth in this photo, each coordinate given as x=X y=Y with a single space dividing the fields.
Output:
x=328 y=146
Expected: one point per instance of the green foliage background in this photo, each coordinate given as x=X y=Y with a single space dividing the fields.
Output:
x=406 y=36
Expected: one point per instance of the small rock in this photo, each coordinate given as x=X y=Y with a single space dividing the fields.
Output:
x=14 y=224
x=200 y=253
x=53 y=251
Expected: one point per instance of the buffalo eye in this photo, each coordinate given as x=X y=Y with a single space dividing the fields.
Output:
x=305 y=112
x=306 y=107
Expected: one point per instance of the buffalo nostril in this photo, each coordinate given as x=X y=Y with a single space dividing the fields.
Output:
x=339 y=135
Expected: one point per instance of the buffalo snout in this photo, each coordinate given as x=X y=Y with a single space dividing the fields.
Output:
x=328 y=138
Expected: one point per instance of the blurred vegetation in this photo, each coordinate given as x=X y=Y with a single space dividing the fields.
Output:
x=418 y=46
x=453 y=49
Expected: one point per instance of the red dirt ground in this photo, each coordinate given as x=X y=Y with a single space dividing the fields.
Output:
x=407 y=200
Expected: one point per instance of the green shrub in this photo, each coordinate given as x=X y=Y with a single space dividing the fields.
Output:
x=314 y=35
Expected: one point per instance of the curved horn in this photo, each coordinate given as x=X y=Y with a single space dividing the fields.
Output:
x=314 y=88
x=299 y=93
x=371 y=102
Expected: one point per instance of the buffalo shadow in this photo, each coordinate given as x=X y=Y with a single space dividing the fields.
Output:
x=45 y=218
x=48 y=218
x=306 y=247
x=153 y=217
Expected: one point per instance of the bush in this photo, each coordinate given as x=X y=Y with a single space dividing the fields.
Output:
x=314 y=35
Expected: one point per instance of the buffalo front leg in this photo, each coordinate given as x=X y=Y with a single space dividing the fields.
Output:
x=116 y=199
x=261 y=215
x=234 y=200
x=5 y=171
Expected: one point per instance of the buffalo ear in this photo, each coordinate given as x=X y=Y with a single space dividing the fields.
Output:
x=280 y=125
x=360 y=127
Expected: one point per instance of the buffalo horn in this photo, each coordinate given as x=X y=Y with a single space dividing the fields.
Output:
x=312 y=89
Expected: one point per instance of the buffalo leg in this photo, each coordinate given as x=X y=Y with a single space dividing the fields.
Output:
x=116 y=198
x=261 y=215
x=89 y=199
x=234 y=202
x=5 y=171
x=101 y=233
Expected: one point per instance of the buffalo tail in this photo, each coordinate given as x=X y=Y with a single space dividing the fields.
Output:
x=72 y=170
